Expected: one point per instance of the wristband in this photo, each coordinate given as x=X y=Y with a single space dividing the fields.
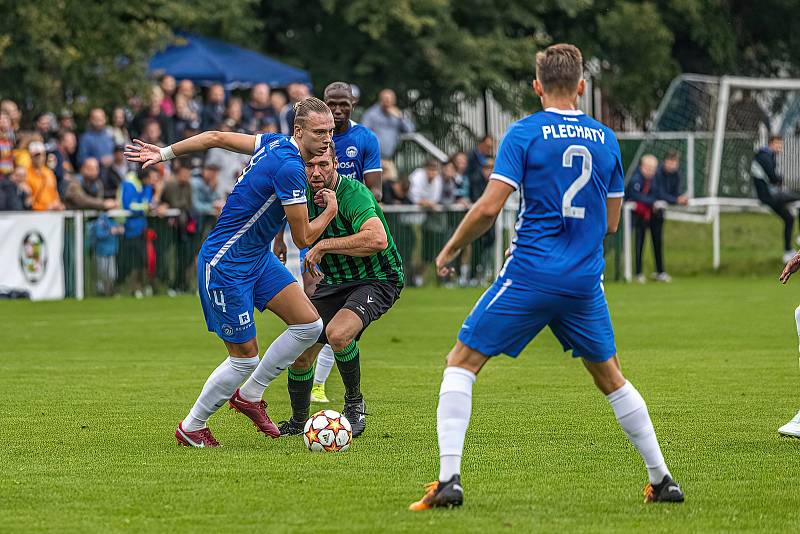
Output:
x=167 y=153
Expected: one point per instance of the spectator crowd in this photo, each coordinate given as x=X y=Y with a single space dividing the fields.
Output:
x=151 y=222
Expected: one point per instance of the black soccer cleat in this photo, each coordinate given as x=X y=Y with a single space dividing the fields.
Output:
x=356 y=413
x=440 y=495
x=665 y=491
x=290 y=427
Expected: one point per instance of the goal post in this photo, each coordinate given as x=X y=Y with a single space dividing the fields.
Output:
x=716 y=124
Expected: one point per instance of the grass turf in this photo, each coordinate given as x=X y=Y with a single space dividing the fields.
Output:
x=92 y=392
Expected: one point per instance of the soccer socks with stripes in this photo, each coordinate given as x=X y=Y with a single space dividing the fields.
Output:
x=325 y=361
x=349 y=364
x=218 y=389
x=299 y=385
x=452 y=419
x=286 y=348
x=631 y=413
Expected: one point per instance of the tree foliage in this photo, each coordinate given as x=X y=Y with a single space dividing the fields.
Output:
x=70 y=52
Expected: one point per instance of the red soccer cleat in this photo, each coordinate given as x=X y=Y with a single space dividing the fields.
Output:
x=257 y=412
x=199 y=439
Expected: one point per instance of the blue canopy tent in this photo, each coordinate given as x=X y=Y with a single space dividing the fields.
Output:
x=205 y=61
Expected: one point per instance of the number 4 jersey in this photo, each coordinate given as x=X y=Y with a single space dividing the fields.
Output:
x=565 y=165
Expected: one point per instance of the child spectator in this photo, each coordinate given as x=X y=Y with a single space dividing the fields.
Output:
x=105 y=237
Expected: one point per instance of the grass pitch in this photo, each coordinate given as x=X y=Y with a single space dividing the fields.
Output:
x=92 y=391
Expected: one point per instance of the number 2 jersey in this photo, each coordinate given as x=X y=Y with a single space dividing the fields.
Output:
x=239 y=244
x=565 y=165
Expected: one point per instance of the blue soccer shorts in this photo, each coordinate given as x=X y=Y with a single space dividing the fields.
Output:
x=509 y=315
x=228 y=306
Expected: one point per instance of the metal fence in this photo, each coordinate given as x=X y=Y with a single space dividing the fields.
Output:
x=162 y=259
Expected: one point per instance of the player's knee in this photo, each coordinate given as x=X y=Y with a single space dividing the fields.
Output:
x=248 y=349
x=307 y=333
x=338 y=339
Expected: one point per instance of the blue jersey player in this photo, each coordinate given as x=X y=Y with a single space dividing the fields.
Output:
x=567 y=169
x=359 y=155
x=237 y=273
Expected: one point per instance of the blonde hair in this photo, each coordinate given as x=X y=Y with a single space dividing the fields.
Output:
x=306 y=107
x=559 y=68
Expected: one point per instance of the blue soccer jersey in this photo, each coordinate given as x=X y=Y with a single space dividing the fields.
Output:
x=565 y=165
x=237 y=271
x=357 y=151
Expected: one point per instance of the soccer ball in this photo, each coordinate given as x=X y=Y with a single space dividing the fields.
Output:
x=327 y=431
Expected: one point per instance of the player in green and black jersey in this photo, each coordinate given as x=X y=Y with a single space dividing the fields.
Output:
x=362 y=276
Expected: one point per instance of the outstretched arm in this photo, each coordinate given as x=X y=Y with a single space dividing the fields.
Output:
x=148 y=154
x=476 y=222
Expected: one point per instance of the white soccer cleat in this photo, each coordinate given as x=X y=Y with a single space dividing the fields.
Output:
x=792 y=428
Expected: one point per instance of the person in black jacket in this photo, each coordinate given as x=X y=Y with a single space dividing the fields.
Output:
x=770 y=191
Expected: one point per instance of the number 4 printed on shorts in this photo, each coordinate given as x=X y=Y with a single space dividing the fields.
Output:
x=219 y=299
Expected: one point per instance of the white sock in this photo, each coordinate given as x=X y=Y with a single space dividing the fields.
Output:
x=797 y=320
x=631 y=413
x=286 y=348
x=325 y=361
x=452 y=419
x=218 y=388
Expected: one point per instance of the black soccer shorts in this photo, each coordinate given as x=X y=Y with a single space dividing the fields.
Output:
x=369 y=299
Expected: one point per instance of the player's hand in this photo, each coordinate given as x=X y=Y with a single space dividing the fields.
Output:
x=790 y=268
x=325 y=198
x=312 y=259
x=443 y=261
x=279 y=248
x=144 y=153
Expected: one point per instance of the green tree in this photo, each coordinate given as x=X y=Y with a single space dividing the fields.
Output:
x=57 y=53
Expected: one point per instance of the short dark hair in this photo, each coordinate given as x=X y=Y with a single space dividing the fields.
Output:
x=338 y=86
x=559 y=68
x=182 y=162
x=775 y=137
x=672 y=154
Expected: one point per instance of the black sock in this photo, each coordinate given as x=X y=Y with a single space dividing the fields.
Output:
x=299 y=385
x=350 y=370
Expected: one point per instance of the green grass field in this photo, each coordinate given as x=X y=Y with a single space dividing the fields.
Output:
x=92 y=391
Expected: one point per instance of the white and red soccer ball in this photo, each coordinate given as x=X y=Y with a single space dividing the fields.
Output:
x=327 y=431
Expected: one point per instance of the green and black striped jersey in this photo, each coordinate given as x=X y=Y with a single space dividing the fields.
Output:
x=356 y=205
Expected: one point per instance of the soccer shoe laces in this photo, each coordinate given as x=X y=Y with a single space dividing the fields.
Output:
x=649 y=493
x=209 y=437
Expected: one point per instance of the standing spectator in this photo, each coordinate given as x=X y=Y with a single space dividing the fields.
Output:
x=258 y=112
x=167 y=101
x=45 y=127
x=648 y=214
x=113 y=175
x=96 y=142
x=187 y=109
x=65 y=157
x=229 y=163
x=460 y=161
x=6 y=145
x=178 y=195
x=206 y=201
x=387 y=121
x=12 y=110
x=15 y=194
x=42 y=181
x=668 y=180
x=151 y=133
x=214 y=108
x=233 y=115
x=66 y=121
x=475 y=163
x=278 y=101
x=770 y=191
x=85 y=190
x=425 y=190
x=296 y=92
x=119 y=127
x=154 y=112
x=105 y=239
x=136 y=196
